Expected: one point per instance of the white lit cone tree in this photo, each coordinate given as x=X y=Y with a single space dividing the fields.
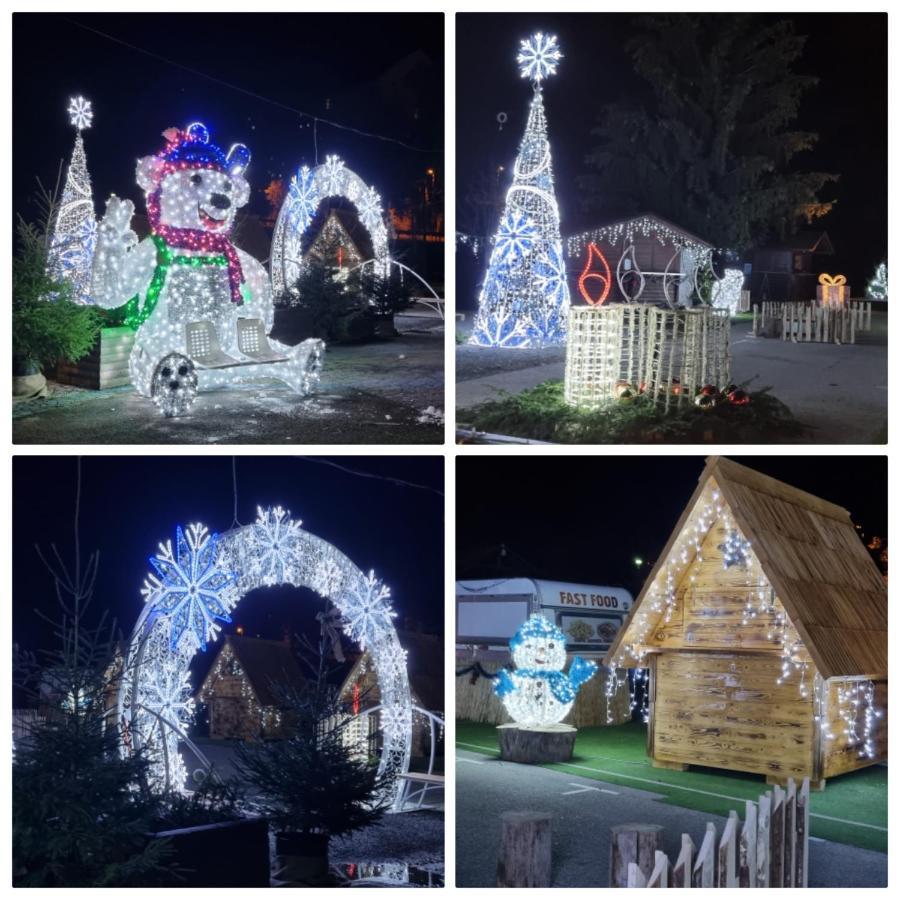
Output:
x=525 y=297
x=74 y=235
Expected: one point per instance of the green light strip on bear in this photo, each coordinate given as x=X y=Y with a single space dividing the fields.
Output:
x=136 y=316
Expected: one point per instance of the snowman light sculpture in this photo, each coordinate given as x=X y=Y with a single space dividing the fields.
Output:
x=201 y=308
x=538 y=694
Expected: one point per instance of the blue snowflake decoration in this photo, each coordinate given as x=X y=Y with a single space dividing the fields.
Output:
x=515 y=237
x=189 y=589
x=550 y=275
x=304 y=196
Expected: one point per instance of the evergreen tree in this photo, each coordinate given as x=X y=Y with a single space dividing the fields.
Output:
x=74 y=234
x=877 y=288
x=525 y=297
x=714 y=148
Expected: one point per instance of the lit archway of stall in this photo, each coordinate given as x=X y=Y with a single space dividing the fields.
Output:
x=198 y=583
x=308 y=188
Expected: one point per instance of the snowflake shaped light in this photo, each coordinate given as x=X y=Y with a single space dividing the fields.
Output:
x=550 y=273
x=538 y=56
x=80 y=113
x=167 y=695
x=333 y=174
x=515 y=238
x=367 y=611
x=327 y=578
x=304 y=195
x=190 y=590
x=275 y=540
x=369 y=207
x=395 y=720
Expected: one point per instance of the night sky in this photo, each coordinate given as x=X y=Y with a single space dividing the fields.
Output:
x=585 y=518
x=327 y=65
x=848 y=108
x=130 y=504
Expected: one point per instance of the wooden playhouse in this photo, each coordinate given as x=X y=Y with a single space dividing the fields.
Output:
x=764 y=628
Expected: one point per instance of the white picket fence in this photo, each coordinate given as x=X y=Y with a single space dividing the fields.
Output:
x=807 y=321
x=770 y=848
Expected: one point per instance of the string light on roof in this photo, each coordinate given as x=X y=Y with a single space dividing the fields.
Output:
x=539 y=56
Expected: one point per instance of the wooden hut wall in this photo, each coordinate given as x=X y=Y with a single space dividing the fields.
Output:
x=728 y=711
x=839 y=754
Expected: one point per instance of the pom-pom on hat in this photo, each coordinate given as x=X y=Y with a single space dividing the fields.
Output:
x=539 y=627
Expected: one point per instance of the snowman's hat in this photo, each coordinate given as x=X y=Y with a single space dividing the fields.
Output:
x=537 y=626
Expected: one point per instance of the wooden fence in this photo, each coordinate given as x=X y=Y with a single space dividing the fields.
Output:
x=810 y=322
x=770 y=849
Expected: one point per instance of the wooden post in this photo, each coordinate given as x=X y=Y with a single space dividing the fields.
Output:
x=776 y=839
x=681 y=871
x=853 y=327
x=524 y=859
x=747 y=848
x=727 y=868
x=704 y=875
x=659 y=877
x=801 y=852
x=754 y=332
x=763 y=821
x=632 y=843
x=636 y=877
x=790 y=833
x=868 y=315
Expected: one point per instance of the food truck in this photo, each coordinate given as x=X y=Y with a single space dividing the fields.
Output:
x=489 y=612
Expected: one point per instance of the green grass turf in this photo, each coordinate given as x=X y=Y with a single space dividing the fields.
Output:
x=620 y=752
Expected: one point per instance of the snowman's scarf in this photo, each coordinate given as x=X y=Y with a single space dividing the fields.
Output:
x=559 y=683
x=197 y=239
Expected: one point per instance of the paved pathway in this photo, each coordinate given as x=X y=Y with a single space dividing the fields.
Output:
x=583 y=811
x=841 y=391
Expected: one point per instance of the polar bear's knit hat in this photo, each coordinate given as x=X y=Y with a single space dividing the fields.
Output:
x=190 y=148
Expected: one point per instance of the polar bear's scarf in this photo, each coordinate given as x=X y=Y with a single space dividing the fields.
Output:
x=197 y=239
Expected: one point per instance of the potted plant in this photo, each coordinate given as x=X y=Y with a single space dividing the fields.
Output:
x=47 y=325
x=313 y=784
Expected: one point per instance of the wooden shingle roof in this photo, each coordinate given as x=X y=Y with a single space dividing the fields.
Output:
x=808 y=548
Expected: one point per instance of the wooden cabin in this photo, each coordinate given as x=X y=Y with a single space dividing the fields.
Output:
x=789 y=270
x=764 y=628
x=425 y=667
x=333 y=246
x=242 y=688
x=657 y=242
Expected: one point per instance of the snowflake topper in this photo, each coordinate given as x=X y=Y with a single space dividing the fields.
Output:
x=80 y=112
x=189 y=588
x=538 y=56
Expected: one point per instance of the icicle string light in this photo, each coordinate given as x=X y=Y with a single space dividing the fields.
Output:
x=195 y=586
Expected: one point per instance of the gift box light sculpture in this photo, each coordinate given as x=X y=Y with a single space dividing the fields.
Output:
x=538 y=693
x=196 y=584
x=832 y=290
x=616 y=352
x=74 y=235
x=525 y=294
x=201 y=307
x=308 y=188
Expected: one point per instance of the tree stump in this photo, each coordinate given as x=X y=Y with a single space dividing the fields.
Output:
x=632 y=843
x=525 y=855
x=547 y=744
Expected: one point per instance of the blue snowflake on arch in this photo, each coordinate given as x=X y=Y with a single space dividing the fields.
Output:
x=189 y=588
x=304 y=196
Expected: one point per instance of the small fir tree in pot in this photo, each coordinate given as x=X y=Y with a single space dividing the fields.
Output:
x=312 y=785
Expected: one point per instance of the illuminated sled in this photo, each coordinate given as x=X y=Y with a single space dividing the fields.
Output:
x=201 y=307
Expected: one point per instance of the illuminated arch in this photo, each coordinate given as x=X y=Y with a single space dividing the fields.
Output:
x=306 y=191
x=198 y=582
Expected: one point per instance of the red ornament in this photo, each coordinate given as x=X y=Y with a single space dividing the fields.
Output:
x=601 y=275
x=739 y=397
x=709 y=390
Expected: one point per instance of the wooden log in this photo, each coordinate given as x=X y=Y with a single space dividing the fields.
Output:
x=553 y=743
x=659 y=877
x=776 y=839
x=524 y=859
x=704 y=875
x=747 y=848
x=790 y=810
x=763 y=822
x=636 y=877
x=681 y=871
x=632 y=843
x=801 y=853
x=727 y=865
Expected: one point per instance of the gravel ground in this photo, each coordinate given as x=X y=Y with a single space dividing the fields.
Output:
x=583 y=811
x=372 y=393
